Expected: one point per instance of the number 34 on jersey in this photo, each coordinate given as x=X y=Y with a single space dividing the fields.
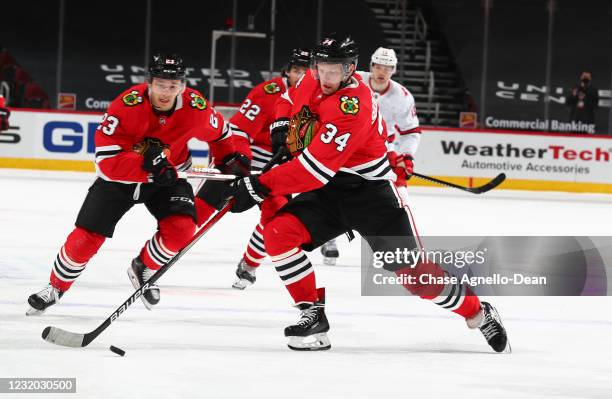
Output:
x=330 y=135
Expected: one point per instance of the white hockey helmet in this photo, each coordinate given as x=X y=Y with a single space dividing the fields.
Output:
x=384 y=56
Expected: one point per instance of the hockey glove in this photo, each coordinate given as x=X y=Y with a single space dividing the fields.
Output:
x=4 y=118
x=247 y=193
x=278 y=135
x=215 y=192
x=403 y=167
x=156 y=162
x=235 y=164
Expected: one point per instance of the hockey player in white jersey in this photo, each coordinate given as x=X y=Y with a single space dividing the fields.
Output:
x=398 y=110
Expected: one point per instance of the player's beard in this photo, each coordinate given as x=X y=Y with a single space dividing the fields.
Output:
x=379 y=85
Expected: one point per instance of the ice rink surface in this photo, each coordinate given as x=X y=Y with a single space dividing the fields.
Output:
x=207 y=340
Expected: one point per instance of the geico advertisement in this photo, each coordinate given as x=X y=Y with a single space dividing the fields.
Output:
x=520 y=156
x=49 y=135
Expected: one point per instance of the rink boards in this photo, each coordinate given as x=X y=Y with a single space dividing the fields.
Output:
x=532 y=161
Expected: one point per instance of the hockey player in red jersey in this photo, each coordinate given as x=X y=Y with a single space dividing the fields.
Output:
x=141 y=143
x=334 y=129
x=251 y=132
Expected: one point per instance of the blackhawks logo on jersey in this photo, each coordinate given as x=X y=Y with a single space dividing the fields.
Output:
x=349 y=105
x=303 y=126
x=132 y=98
x=197 y=102
x=272 y=88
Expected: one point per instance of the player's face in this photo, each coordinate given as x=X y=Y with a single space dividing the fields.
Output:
x=295 y=74
x=164 y=92
x=331 y=76
x=381 y=73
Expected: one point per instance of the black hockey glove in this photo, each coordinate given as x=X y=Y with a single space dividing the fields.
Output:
x=215 y=192
x=279 y=130
x=235 y=164
x=247 y=193
x=156 y=163
x=4 y=118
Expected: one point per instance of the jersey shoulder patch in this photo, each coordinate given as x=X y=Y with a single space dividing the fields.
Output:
x=272 y=88
x=132 y=98
x=197 y=101
x=349 y=105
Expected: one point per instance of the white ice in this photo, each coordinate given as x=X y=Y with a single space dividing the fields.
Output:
x=207 y=340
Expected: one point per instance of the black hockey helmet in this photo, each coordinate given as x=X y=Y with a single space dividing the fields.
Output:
x=164 y=66
x=332 y=50
x=300 y=57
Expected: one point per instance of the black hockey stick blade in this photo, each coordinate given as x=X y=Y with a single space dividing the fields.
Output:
x=496 y=181
x=59 y=336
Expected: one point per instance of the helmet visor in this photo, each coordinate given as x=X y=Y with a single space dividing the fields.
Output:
x=166 y=86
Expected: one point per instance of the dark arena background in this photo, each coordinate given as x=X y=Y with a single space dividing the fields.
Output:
x=521 y=88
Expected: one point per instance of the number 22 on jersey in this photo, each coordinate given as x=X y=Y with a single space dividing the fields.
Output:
x=249 y=110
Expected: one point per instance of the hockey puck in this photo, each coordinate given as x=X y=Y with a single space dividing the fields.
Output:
x=116 y=350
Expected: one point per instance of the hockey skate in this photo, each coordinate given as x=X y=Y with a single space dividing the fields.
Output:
x=310 y=332
x=245 y=275
x=139 y=274
x=330 y=252
x=487 y=320
x=40 y=301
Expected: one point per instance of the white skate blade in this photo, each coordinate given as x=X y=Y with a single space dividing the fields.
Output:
x=134 y=281
x=508 y=348
x=315 y=342
x=329 y=261
x=34 y=312
x=241 y=284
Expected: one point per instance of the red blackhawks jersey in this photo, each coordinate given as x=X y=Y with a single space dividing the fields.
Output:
x=351 y=138
x=130 y=118
x=250 y=125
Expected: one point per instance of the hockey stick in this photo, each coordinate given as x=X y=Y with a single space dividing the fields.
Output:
x=204 y=174
x=215 y=174
x=62 y=337
x=496 y=181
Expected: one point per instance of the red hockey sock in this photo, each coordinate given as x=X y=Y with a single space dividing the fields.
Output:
x=256 y=251
x=80 y=246
x=174 y=233
x=456 y=297
x=283 y=236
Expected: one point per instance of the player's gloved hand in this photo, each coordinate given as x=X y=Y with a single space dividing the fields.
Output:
x=279 y=130
x=166 y=176
x=247 y=193
x=155 y=161
x=4 y=118
x=235 y=164
x=215 y=192
x=403 y=167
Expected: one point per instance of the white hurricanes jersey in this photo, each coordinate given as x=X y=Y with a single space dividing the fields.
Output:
x=399 y=113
